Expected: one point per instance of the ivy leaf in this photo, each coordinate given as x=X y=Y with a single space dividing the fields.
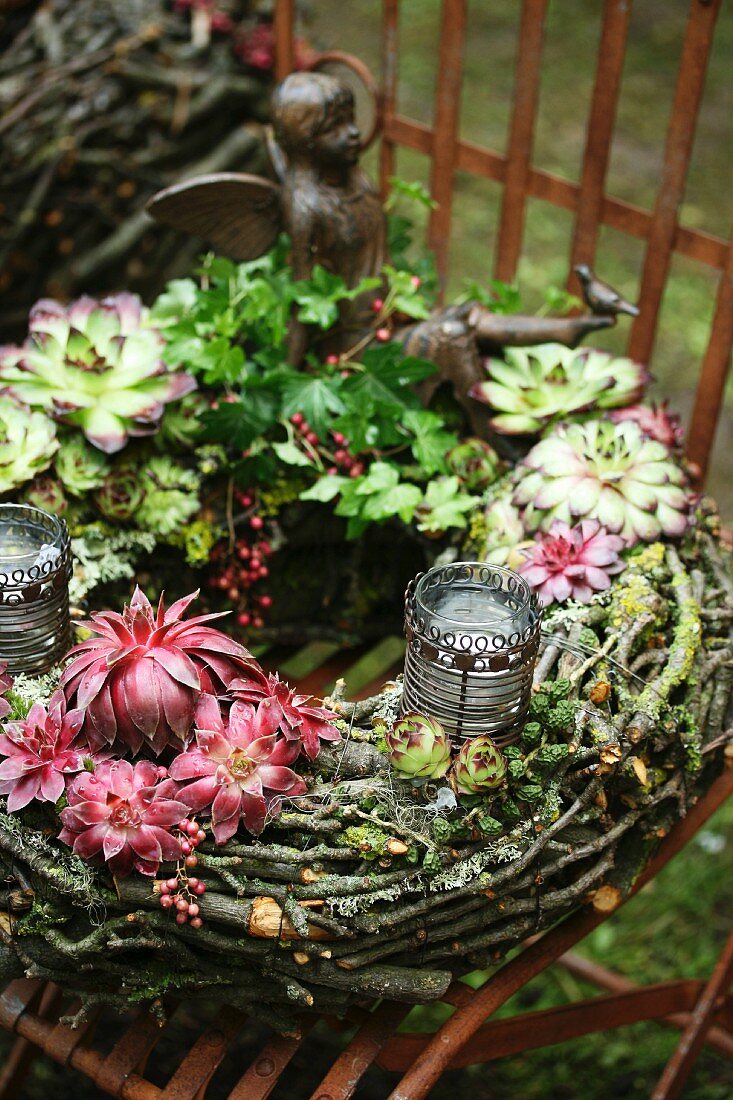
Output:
x=179 y=298
x=444 y=505
x=381 y=476
x=318 y=297
x=393 y=368
x=239 y=423
x=314 y=397
x=431 y=442
x=291 y=455
x=325 y=489
x=362 y=428
x=400 y=500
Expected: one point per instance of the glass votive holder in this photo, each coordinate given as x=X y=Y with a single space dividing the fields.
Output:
x=473 y=631
x=35 y=569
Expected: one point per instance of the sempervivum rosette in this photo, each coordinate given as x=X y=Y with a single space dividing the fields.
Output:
x=40 y=753
x=479 y=766
x=656 y=421
x=123 y=815
x=604 y=471
x=572 y=562
x=530 y=387
x=139 y=678
x=27 y=443
x=301 y=721
x=97 y=365
x=239 y=767
x=418 y=747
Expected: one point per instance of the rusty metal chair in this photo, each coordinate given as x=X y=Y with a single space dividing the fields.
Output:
x=701 y=1010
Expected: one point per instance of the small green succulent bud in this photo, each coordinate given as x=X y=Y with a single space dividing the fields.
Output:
x=418 y=747
x=46 y=493
x=479 y=766
x=532 y=734
x=27 y=443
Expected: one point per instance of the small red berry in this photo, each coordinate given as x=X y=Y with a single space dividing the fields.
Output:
x=233 y=593
x=172 y=883
x=416 y=281
x=201 y=836
x=297 y=419
x=192 y=860
x=163 y=889
x=382 y=334
x=192 y=882
x=243 y=618
x=181 y=918
x=192 y=828
x=377 y=305
x=339 y=438
x=199 y=889
x=332 y=360
x=181 y=905
x=166 y=902
x=196 y=922
x=186 y=847
x=258 y=622
x=265 y=601
x=257 y=523
x=193 y=909
x=345 y=373
x=264 y=572
x=312 y=438
x=265 y=549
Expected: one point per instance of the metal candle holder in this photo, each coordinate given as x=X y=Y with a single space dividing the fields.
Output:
x=35 y=569
x=472 y=631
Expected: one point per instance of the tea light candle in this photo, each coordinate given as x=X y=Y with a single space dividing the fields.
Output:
x=473 y=631
x=35 y=568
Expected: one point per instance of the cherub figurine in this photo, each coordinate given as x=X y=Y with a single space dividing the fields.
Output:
x=325 y=202
x=334 y=218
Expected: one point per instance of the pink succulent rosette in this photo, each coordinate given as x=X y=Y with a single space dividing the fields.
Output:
x=40 y=754
x=138 y=679
x=239 y=769
x=300 y=722
x=572 y=562
x=123 y=814
x=655 y=421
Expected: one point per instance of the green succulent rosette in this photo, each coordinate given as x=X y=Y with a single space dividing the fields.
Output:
x=97 y=365
x=80 y=467
x=610 y=472
x=418 y=747
x=121 y=494
x=531 y=387
x=479 y=766
x=27 y=443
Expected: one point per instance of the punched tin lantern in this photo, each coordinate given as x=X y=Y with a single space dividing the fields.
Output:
x=473 y=631
x=35 y=569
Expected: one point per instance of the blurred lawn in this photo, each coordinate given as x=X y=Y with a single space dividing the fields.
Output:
x=571 y=44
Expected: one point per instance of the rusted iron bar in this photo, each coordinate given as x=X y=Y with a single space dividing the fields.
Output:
x=445 y=134
x=531 y=1030
x=719 y=1038
x=677 y=1070
x=677 y=151
x=713 y=375
x=460 y=1028
x=342 y=1079
x=611 y=52
x=528 y=71
x=388 y=102
x=264 y=1073
x=20 y=1058
x=284 y=27
x=615 y=213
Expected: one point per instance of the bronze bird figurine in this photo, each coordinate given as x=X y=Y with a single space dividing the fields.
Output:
x=601 y=298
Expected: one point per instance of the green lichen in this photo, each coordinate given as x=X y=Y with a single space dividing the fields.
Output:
x=197 y=540
x=366 y=839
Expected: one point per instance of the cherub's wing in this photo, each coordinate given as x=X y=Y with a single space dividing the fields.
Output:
x=237 y=213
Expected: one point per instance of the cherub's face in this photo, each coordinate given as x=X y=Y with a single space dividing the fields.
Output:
x=338 y=141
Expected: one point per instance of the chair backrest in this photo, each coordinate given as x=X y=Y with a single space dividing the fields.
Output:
x=586 y=199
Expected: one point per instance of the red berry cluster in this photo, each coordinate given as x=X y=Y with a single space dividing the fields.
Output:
x=180 y=892
x=335 y=453
x=244 y=568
